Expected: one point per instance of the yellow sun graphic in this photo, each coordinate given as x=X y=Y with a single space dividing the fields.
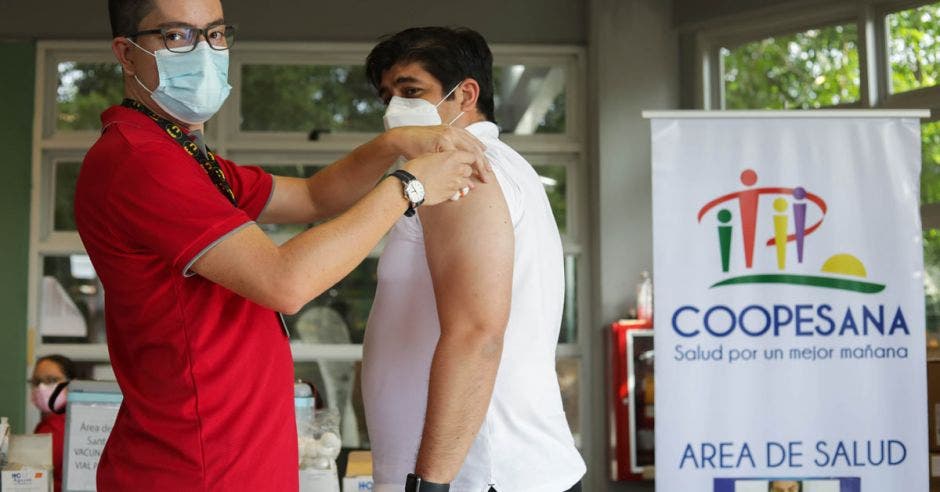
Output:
x=845 y=264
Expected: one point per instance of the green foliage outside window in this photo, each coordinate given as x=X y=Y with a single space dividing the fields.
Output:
x=811 y=69
x=914 y=47
x=555 y=181
x=84 y=91
x=930 y=172
x=309 y=97
x=66 y=176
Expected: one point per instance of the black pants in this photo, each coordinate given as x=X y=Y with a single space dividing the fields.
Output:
x=575 y=488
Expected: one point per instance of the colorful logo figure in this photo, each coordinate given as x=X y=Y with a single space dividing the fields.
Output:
x=791 y=203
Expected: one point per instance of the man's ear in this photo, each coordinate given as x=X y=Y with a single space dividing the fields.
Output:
x=121 y=48
x=470 y=90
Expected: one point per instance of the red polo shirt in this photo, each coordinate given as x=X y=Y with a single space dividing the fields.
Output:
x=207 y=375
x=53 y=423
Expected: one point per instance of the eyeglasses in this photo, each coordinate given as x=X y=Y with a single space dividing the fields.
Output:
x=183 y=39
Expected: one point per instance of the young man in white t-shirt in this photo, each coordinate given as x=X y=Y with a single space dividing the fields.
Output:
x=459 y=377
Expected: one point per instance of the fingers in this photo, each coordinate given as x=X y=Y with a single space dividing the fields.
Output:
x=474 y=141
x=451 y=138
x=465 y=171
x=444 y=174
x=482 y=169
x=481 y=165
x=460 y=194
x=464 y=140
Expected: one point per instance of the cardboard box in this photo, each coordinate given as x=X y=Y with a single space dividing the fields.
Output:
x=30 y=464
x=33 y=450
x=358 y=472
x=357 y=484
x=22 y=478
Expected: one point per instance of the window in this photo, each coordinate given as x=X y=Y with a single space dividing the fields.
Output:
x=83 y=90
x=932 y=282
x=65 y=175
x=72 y=300
x=809 y=69
x=307 y=98
x=555 y=180
x=914 y=47
x=295 y=108
x=930 y=196
x=820 y=67
x=930 y=168
x=529 y=98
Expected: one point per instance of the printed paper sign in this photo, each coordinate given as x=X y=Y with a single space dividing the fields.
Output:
x=89 y=428
x=789 y=317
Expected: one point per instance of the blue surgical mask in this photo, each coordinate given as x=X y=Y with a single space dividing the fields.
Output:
x=404 y=111
x=193 y=85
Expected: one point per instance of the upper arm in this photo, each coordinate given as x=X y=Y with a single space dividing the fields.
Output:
x=470 y=251
x=246 y=262
x=290 y=203
x=329 y=191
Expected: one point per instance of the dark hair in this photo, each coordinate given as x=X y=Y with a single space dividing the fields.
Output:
x=126 y=15
x=65 y=364
x=449 y=54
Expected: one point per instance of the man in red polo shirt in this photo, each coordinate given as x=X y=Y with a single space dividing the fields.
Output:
x=192 y=284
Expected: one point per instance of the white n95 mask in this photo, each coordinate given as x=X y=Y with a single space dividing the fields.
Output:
x=403 y=111
x=193 y=85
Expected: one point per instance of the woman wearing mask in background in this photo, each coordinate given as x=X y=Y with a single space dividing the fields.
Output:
x=49 y=373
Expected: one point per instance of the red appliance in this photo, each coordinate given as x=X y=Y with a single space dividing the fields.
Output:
x=632 y=400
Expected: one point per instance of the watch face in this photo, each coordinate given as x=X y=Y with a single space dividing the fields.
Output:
x=415 y=191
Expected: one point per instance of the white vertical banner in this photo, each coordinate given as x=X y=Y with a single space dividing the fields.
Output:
x=789 y=315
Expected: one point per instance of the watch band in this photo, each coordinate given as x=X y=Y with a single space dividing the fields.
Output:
x=404 y=175
x=406 y=178
x=415 y=483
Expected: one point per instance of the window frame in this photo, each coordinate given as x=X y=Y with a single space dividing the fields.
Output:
x=231 y=137
x=51 y=145
x=708 y=38
x=734 y=41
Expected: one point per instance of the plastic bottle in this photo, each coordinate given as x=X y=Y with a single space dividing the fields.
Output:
x=303 y=410
x=317 y=446
x=644 y=297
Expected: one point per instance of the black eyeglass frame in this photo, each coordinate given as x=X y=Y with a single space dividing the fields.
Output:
x=228 y=30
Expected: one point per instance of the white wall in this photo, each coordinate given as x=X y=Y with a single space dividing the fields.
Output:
x=634 y=60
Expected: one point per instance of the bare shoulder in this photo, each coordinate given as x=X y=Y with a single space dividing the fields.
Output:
x=484 y=206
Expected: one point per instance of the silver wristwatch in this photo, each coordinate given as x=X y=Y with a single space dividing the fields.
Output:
x=413 y=189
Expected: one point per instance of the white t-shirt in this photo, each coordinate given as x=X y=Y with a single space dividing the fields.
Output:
x=524 y=444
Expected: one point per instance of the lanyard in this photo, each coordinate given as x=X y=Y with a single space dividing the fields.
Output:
x=206 y=161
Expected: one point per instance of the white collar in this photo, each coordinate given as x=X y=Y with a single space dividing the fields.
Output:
x=483 y=129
